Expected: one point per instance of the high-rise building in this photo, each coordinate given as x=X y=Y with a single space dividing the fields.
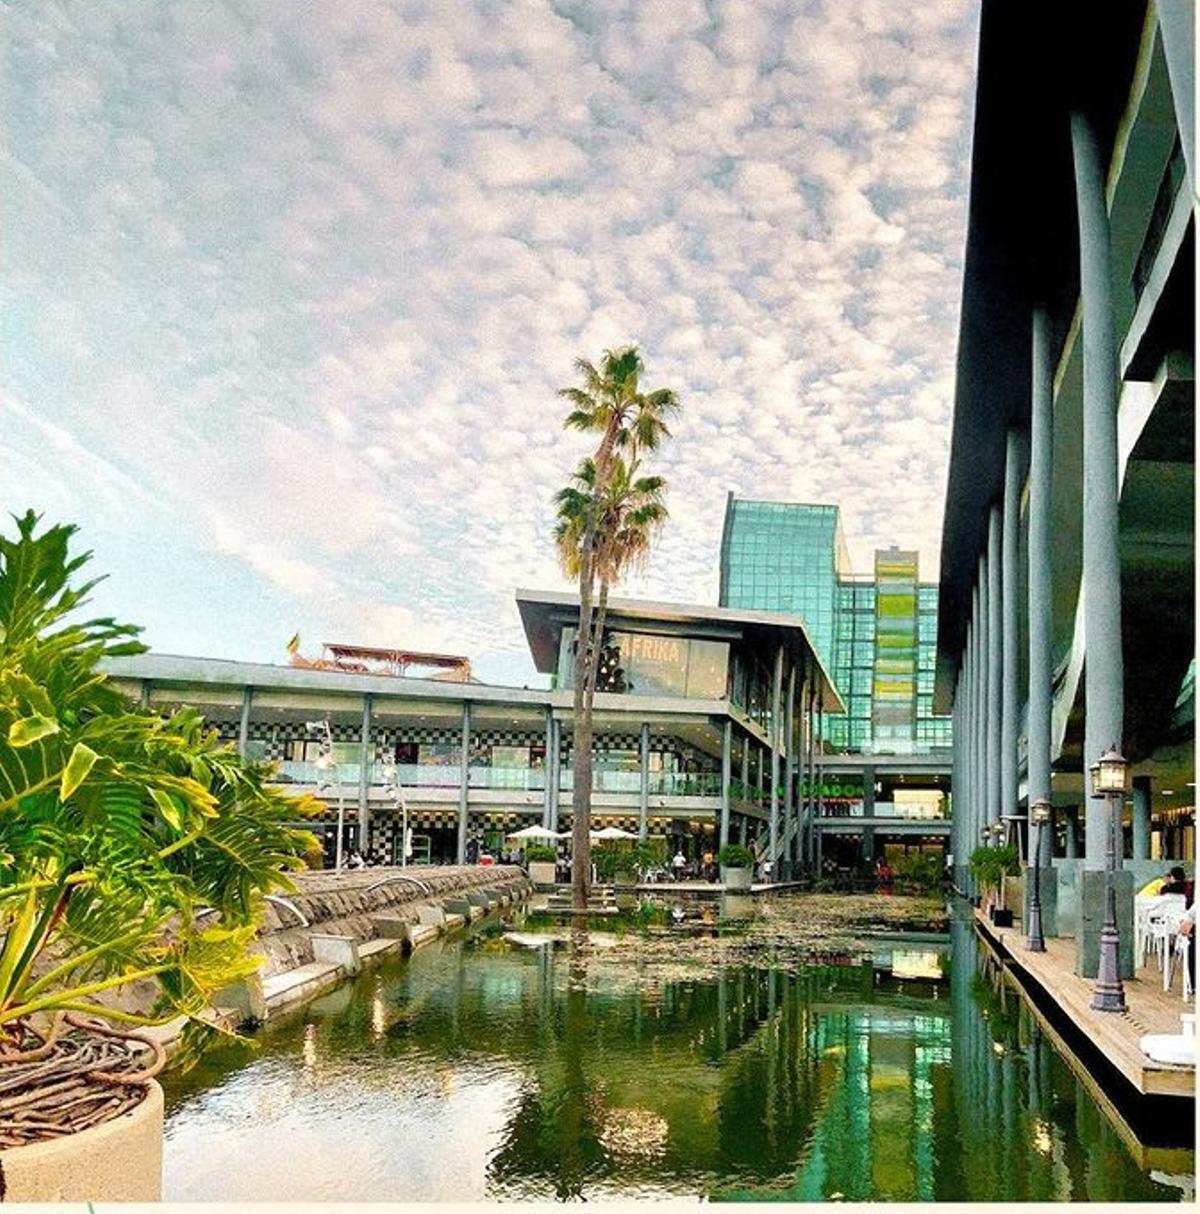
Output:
x=876 y=634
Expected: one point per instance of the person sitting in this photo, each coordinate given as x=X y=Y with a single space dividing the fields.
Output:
x=1175 y=882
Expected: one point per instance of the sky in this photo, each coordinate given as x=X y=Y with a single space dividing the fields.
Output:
x=287 y=291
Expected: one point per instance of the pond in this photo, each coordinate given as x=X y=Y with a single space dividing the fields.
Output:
x=482 y=1069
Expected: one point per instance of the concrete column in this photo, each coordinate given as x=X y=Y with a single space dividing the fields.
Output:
x=726 y=776
x=464 y=781
x=1041 y=675
x=746 y=766
x=820 y=757
x=995 y=667
x=547 y=768
x=810 y=800
x=1141 y=817
x=244 y=723
x=1071 y=814
x=144 y=694
x=1104 y=687
x=555 y=768
x=644 y=783
x=1010 y=670
x=364 y=778
x=868 y=840
x=980 y=782
x=789 y=773
x=776 y=713
x=1177 y=24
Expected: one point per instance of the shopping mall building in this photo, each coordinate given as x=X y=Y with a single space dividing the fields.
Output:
x=702 y=728
x=886 y=759
x=1066 y=606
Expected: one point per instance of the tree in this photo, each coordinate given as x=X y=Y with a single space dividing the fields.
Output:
x=133 y=845
x=606 y=519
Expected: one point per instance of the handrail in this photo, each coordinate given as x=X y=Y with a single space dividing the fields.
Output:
x=278 y=901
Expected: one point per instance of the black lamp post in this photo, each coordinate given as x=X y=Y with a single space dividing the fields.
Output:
x=1039 y=814
x=1109 y=776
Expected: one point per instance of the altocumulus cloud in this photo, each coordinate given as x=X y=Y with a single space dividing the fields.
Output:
x=289 y=289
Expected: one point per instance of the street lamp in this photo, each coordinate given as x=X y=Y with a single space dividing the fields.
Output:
x=1109 y=776
x=393 y=789
x=324 y=762
x=1039 y=815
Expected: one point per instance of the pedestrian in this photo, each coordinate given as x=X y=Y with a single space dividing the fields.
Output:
x=679 y=863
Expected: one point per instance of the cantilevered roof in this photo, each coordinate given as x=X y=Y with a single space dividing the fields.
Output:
x=544 y=613
x=1038 y=59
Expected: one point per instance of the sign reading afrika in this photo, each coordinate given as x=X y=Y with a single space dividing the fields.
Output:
x=641 y=647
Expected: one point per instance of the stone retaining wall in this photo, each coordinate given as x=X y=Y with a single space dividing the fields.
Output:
x=341 y=904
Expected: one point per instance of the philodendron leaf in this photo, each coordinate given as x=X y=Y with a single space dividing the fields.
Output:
x=78 y=766
x=32 y=729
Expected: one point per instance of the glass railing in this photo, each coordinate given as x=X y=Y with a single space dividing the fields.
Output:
x=686 y=784
x=295 y=771
x=518 y=779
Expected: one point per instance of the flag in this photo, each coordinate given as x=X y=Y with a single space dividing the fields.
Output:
x=294 y=644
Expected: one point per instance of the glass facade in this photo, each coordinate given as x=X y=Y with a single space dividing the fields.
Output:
x=785 y=557
x=877 y=636
x=652 y=664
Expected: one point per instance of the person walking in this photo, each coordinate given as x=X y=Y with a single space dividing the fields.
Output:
x=679 y=863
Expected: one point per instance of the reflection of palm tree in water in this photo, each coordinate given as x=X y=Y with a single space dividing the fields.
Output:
x=574 y=1098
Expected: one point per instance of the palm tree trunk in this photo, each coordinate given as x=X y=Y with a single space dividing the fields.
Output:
x=581 y=793
x=597 y=640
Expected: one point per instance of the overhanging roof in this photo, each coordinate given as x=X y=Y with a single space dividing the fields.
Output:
x=544 y=613
x=1037 y=60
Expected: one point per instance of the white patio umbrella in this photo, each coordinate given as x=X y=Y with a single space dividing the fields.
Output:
x=612 y=832
x=536 y=832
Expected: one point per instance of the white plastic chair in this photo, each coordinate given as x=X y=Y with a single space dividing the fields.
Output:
x=1180 y=950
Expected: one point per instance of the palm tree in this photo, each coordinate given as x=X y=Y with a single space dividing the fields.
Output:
x=629 y=421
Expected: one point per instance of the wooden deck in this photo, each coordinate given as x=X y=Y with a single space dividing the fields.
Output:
x=1149 y=1009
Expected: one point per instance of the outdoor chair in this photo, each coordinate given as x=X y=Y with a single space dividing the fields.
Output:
x=1178 y=950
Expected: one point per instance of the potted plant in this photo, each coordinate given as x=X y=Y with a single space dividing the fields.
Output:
x=988 y=866
x=737 y=866
x=135 y=848
x=541 y=861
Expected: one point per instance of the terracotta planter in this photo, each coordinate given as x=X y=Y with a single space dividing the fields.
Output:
x=119 y=1160
x=737 y=878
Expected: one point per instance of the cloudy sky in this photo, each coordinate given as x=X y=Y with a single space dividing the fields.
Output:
x=287 y=290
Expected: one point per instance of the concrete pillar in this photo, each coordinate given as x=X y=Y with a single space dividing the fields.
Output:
x=820 y=756
x=244 y=723
x=726 y=776
x=555 y=762
x=1104 y=686
x=464 y=781
x=547 y=768
x=1071 y=814
x=1010 y=625
x=1141 y=817
x=366 y=762
x=644 y=782
x=1041 y=674
x=995 y=667
x=1177 y=24
x=776 y=713
x=811 y=797
x=746 y=766
x=789 y=773
x=981 y=689
x=868 y=839
x=144 y=694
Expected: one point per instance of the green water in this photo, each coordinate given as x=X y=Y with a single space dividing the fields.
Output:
x=477 y=1071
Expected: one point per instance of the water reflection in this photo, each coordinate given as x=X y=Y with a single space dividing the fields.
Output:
x=478 y=1071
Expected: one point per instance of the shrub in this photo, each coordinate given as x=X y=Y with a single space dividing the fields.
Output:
x=919 y=868
x=989 y=864
x=734 y=855
x=540 y=852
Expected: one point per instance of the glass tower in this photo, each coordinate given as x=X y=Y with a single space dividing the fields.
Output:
x=877 y=636
x=785 y=557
